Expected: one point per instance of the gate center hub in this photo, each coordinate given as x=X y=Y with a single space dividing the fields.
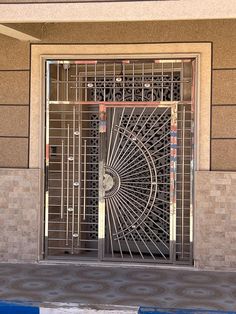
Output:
x=111 y=182
x=108 y=182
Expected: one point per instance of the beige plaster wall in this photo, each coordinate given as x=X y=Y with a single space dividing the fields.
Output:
x=14 y=102
x=215 y=220
x=15 y=56
x=113 y=10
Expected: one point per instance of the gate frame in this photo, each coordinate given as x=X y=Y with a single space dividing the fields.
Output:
x=40 y=52
x=173 y=140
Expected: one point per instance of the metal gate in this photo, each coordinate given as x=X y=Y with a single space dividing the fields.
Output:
x=119 y=160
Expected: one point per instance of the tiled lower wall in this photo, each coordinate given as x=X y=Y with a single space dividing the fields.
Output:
x=215 y=217
x=19 y=214
x=215 y=220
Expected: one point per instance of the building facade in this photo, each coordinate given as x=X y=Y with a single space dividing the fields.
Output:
x=118 y=139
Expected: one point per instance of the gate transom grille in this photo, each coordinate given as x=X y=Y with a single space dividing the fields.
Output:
x=119 y=138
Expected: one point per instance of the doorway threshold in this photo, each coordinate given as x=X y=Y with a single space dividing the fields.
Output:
x=96 y=263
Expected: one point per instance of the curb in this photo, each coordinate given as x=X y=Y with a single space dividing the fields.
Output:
x=7 y=307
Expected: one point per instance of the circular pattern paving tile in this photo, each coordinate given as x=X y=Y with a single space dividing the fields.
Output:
x=197 y=292
x=86 y=287
x=143 y=275
x=97 y=273
x=32 y=285
x=49 y=272
x=142 y=290
x=196 y=278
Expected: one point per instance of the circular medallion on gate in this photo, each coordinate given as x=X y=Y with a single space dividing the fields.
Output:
x=111 y=182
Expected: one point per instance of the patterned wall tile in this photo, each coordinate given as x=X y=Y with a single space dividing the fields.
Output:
x=215 y=220
x=19 y=214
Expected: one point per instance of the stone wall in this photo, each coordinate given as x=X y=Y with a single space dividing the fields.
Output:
x=215 y=220
x=19 y=215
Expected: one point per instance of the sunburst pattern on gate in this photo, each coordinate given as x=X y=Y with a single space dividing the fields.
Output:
x=137 y=182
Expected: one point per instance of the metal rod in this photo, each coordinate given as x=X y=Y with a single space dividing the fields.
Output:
x=192 y=161
x=67 y=83
x=104 y=78
x=183 y=182
x=47 y=160
x=182 y=81
x=133 y=83
x=127 y=148
x=86 y=88
x=73 y=187
x=119 y=146
x=116 y=137
x=116 y=230
x=125 y=219
x=76 y=84
x=114 y=162
x=109 y=227
x=173 y=173
x=114 y=82
x=129 y=167
x=118 y=218
x=58 y=81
x=113 y=111
x=128 y=204
x=124 y=74
x=119 y=201
x=143 y=82
x=152 y=80
x=79 y=173
x=172 y=80
x=85 y=159
x=162 y=82
x=62 y=179
x=68 y=184
x=95 y=82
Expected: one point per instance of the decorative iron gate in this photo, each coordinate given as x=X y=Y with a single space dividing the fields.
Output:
x=119 y=160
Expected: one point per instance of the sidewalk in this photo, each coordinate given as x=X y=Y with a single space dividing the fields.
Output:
x=126 y=286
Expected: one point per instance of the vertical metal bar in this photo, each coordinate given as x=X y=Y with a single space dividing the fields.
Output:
x=68 y=184
x=102 y=158
x=152 y=84
x=172 y=82
x=142 y=81
x=104 y=81
x=67 y=82
x=123 y=79
x=58 y=79
x=162 y=82
x=86 y=87
x=182 y=82
x=183 y=182
x=133 y=81
x=113 y=113
x=114 y=82
x=173 y=171
x=193 y=99
x=76 y=82
x=73 y=187
x=85 y=160
x=79 y=173
x=95 y=82
x=62 y=179
x=47 y=158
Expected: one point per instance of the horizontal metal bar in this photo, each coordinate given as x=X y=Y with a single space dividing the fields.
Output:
x=67 y=248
